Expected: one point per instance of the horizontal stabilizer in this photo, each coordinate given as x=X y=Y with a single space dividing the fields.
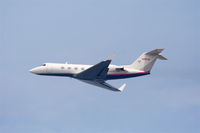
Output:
x=161 y=57
x=154 y=52
x=157 y=52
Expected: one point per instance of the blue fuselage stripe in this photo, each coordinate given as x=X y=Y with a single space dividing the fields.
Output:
x=108 y=77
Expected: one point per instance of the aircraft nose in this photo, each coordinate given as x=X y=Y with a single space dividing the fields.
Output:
x=34 y=70
x=38 y=70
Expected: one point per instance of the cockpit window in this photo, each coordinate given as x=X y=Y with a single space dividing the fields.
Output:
x=43 y=64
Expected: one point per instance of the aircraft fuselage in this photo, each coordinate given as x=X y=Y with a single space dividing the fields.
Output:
x=98 y=74
x=70 y=70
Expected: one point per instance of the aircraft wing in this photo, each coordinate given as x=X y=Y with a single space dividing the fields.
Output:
x=98 y=71
x=103 y=84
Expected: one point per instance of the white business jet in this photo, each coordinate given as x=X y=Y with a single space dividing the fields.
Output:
x=99 y=73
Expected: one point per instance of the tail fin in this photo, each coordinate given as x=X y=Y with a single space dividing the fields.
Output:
x=146 y=61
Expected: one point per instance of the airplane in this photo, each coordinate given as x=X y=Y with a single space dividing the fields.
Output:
x=101 y=72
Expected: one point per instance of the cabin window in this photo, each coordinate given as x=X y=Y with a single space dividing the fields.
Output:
x=82 y=68
x=62 y=67
x=43 y=64
x=75 y=68
x=69 y=67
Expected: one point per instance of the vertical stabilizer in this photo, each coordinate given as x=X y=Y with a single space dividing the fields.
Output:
x=146 y=61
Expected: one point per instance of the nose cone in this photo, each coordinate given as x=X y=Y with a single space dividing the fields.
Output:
x=38 y=70
x=34 y=70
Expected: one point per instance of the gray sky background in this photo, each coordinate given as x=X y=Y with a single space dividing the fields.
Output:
x=88 y=31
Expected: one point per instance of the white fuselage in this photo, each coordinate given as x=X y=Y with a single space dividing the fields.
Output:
x=69 y=70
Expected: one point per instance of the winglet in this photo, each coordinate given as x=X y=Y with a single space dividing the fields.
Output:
x=122 y=87
x=111 y=57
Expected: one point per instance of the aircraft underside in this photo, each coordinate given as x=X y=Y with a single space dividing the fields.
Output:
x=108 y=76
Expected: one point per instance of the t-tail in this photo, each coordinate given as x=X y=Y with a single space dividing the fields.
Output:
x=146 y=61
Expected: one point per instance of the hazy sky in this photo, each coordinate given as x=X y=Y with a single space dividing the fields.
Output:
x=87 y=31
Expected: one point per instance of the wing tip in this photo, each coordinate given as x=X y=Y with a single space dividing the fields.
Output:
x=122 y=87
x=111 y=57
